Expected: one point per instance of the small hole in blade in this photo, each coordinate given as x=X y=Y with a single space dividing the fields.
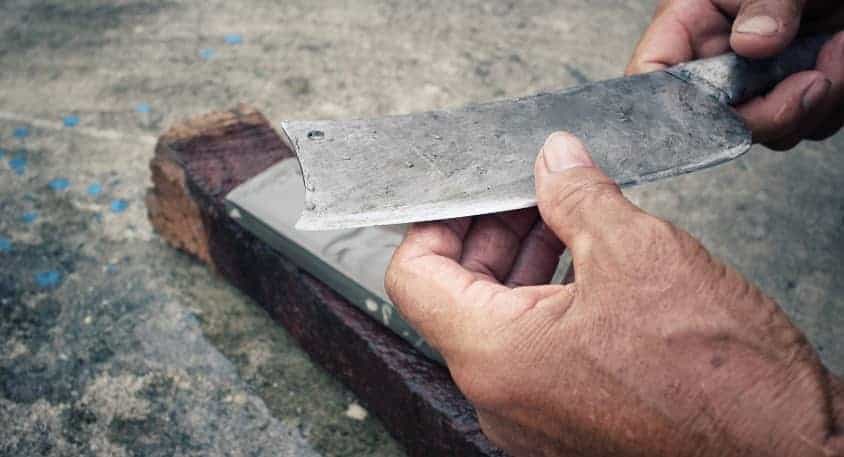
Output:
x=316 y=135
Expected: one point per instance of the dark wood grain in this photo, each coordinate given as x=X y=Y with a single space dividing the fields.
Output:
x=196 y=163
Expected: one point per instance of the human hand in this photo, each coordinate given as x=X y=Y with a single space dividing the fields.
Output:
x=656 y=349
x=807 y=105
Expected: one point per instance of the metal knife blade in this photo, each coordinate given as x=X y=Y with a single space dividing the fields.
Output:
x=479 y=159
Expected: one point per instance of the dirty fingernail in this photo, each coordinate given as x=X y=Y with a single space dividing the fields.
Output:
x=759 y=25
x=563 y=151
x=816 y=93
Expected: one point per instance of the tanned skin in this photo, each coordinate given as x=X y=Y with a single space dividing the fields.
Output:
x=657 y=348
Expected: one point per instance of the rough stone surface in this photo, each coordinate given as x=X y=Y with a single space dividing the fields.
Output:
x=777 y=217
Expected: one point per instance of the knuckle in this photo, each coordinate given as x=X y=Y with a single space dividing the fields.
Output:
x=636 y=66
x=391 y=280
x=787 y=9
x=394 y=280
x=786 y=118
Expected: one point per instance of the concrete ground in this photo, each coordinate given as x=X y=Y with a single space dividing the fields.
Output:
x=111 y=343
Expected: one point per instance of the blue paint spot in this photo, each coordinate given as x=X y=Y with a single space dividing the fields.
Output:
x=21 y=132
x=94 y=189
x=119 y=205
x=71 y=120
x=29 y=217
x=59 y=184
x=5 y=244
x=48 y=279
x=2 y=153
x=142 y=108
x=111 y=268
x=233 y=38
x=18 y=163
x=206 y=53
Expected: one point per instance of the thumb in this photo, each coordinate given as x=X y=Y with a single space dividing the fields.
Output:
x=764 y=28
x=576 y=199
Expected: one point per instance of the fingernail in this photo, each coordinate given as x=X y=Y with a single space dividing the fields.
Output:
x=816 y=93
x=563 y=151
x=759 y=25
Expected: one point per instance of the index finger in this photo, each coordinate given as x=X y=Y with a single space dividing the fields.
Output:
x=681 y=31
x=428 y=285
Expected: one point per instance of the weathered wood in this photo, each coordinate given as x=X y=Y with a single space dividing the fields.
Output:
x=197 y=162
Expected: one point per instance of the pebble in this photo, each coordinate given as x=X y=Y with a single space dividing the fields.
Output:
x=71 y=120
x=356 y=412
x=18 y=164
x=233 y=38
x=94 y=189
x=206 y=53
x=29 y=217
x=5 y=244
x=47 y=279
x=118 y=205
x=20 y=132
x=59 y=184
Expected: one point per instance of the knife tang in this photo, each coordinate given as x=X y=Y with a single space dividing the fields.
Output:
x=734 y=79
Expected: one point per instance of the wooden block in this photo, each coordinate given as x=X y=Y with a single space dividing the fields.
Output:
x=196 y=163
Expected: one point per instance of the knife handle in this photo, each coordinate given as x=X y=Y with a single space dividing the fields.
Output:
x=735 y=79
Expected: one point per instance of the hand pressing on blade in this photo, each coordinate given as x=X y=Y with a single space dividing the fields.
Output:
x=656 y=348
x=807 y=105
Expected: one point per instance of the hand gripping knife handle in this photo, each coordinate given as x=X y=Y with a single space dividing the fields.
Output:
x=734 y=79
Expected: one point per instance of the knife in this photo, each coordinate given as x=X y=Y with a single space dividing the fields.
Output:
x=478 y=159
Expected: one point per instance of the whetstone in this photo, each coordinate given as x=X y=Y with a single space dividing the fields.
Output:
x=197 y=162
